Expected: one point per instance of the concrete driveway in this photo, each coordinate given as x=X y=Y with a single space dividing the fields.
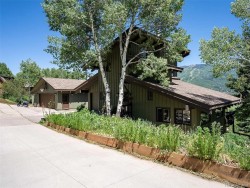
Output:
x=34 y=156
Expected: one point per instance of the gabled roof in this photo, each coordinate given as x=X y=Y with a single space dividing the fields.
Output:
x=63 y=84
x=59 y=84
x=191 y=94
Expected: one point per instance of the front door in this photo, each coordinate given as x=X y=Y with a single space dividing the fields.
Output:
x=65 y=101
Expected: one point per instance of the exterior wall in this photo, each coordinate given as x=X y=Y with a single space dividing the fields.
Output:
x=77 y=99
x=145 y=109
x=49 y=89
x=74 y=100
x=58 y=101
x=95 y=97
x=36 y=100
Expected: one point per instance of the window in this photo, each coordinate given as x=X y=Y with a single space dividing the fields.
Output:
x=150 y=95
x=182 y=117
x=163 y=115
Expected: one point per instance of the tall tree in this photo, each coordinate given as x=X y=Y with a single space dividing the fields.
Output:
x=84 y=35
x=14 y=90
x=228 y=50
x=61 y=73
x=160 y=19
x=4 y=70
x=29 y=73
x=89 y=27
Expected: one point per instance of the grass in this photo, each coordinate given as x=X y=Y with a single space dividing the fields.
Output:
x=206 y=144
x=203 y=143
x=238 y=148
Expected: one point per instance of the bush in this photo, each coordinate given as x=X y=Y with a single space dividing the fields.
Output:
x=168 y=138
x=80 y=107
x=205 y=144
x=238 y=148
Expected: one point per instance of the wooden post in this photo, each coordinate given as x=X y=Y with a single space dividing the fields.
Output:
x=223 y=121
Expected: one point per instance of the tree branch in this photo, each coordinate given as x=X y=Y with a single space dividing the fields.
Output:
x=137 y=55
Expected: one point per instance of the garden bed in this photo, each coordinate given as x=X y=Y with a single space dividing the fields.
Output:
x=232 y=174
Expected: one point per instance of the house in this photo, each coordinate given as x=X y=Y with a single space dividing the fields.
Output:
x=181 y=103
x=58 y=93
x=2 y=80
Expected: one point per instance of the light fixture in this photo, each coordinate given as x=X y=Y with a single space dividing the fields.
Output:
x=42 y=89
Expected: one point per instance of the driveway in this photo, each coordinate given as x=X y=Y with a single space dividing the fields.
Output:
x=34 y=156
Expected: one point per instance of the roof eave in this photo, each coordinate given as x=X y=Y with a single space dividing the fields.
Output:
x=228 y=104
x=186 y=100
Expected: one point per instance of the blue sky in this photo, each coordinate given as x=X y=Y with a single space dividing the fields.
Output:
x=24 y=29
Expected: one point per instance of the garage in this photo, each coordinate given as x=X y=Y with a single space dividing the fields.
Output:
x=47 y=100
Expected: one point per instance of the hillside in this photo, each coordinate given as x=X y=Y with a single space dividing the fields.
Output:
x=201 y=74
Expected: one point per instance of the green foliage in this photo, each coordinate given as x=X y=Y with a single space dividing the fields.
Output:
x=88 y=29
x=80 y=107
x=142 y=132
x=221 y=49
x=168 y=138
x=61 y=73
x=14 y=90
x=238 y=148
x=227 y=50
x=4 y=70
x=240 y=8
x=205 y=144
x=150 y=69
x=29 y=73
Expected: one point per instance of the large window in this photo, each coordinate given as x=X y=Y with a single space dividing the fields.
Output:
x=163 y=115
x=182 y=117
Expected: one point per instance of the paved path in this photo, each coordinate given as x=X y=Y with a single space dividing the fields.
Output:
x=34 y=156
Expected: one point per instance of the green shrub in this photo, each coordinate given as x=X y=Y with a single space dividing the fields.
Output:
x=80 y=107
x=205 y=144
x=202 y=143
x=238 y=148
x=168 y=138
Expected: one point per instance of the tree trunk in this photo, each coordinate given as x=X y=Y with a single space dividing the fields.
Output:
x=123 y=53
x=106 y=86
x=104 y=78
x=121 y=92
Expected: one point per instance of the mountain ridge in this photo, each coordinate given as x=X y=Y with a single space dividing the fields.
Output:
x=202 y=75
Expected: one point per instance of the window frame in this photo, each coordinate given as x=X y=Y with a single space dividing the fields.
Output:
x=162 y=115
x=182 y=122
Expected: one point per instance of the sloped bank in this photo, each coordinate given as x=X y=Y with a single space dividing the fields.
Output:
x=229 y=173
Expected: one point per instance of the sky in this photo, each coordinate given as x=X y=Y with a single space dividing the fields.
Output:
x=24 y=29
